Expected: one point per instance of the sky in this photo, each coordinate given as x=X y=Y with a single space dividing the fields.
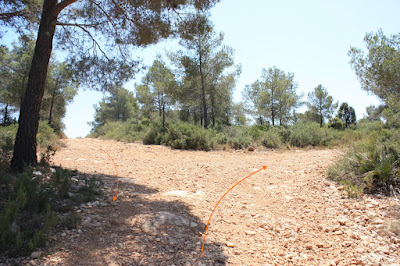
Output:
x=310 y=38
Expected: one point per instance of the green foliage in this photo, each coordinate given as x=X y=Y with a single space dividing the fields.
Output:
x=89 y=191
x=271 y=139
x=45 y=138
x=157 y=93
x=320 y=103
x=378 y=71
x=347 y=114
x=182 y=136
x=374 y=114
x=129 y=131
x=119 y=106
x=352 y=190
x=71 y=220
x=255 y=131
x=336 y=123
x=207 y=79
x=372 y=164
x=26 y=216
x=239 y=114
x=59 y=90
x=28 y=204
x=273 y=97
x=302 y=135
x=7 y=138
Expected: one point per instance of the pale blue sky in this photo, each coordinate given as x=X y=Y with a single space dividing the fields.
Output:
x=310 y=38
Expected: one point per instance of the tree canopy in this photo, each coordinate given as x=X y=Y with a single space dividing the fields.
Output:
x=120 y=105
x=347 y=114
x=273 y=97
x=157 y=91
x=379 y=70
x=204 y=63
x=320 y=103
x=97 y=34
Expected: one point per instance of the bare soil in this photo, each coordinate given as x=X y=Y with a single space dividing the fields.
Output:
x=288 y=214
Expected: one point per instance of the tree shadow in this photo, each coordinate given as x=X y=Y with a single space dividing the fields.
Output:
x=136 y=230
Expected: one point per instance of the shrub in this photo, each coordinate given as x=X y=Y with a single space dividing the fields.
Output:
x=154 y=135
x=46 y=136
x=256 y=131
x=128 y=131
x=89 y=191
x=271 y=139
x=26 y=216
x=372 y=165
x=336 y=123
x=239 y=143
x=312 y=134
x=27 y=205
x=7 y=139
x=188 y=136
x=71 y=220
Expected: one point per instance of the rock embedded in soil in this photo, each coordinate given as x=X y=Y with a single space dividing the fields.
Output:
x=36 y=254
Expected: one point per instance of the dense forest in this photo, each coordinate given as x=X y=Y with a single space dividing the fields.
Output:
x=184 y=100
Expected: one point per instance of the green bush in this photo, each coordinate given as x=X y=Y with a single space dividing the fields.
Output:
x=239 y=143
x=336 y=123
x=183 y=135
x=372 y=165
x=256 y=131
x=72 y=220
x=303 y=135
x=26 y=216
x=89 y=191
x=271 y=139
x=7 y=139
x=154 y=135
x=189 y=137
x=28 y=202
x=129 y=131
x=46 y=136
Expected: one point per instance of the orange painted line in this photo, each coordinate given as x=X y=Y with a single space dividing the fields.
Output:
x=209 y=219
x=116 y=173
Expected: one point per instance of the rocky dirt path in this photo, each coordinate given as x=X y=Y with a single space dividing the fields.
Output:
x=288 y=214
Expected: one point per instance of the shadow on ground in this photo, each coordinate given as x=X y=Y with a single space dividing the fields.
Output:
x=136 y=230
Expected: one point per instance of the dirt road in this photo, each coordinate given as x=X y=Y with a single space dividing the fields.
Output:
x=288 y=214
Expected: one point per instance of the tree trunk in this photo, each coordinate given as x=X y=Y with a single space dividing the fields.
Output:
x=195 y=116
x=159 y=103
x=5 y=121
x=25 y=141
x=53 y=96
x=321 y=119
x=213 y=109
x=203 y=94
x=272 y=108
x=273 y=115
x=163 y=115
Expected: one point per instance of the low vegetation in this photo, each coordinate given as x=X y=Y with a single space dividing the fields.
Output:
x=372 y=165
x=35 y=201
x=182 y=135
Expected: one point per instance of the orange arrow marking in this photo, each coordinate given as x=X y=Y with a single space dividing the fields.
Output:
x=116 y=173
x=209 y=219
